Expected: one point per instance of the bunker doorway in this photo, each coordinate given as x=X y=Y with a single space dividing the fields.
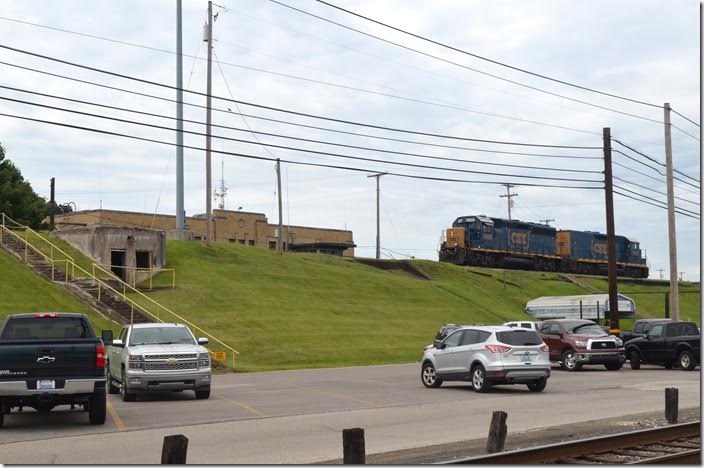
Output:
x=117 y=264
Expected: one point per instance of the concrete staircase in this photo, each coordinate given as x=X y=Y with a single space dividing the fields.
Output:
x=84 y=289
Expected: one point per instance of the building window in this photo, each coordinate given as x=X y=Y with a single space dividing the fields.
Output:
x=242 y=241
x=272 y=245
x=231 y=240
x=198 y=238
x=143 y=258
x=251 y=242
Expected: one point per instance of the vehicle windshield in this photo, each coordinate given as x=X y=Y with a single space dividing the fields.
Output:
x=157 y=335
x=584 y=328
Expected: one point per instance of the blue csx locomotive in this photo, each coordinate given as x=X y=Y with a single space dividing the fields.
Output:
x=502 y=243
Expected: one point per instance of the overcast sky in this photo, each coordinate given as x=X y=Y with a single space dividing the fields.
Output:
x=643 y=50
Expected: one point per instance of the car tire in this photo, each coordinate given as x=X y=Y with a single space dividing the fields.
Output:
x=112 y=388
x=98 y=406
x=480 y=384
x=686 y=360
x=124 y=391
x=203 y=394
x=635 y=360
x=569 y=361
x=538 y=386
x=668 y=364
x=429 y=377
x=613 y=365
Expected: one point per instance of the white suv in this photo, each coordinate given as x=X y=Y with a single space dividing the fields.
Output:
x=521 y=324
x=488 y=356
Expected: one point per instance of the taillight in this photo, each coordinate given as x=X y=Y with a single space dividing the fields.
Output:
x=544 y=348
x=46 y=315
x=100 y=356
x=497 y=348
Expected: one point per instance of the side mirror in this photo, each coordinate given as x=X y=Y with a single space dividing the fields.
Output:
x=441 y=345
x=106 y=335
x=118 y=343
x=202 y=341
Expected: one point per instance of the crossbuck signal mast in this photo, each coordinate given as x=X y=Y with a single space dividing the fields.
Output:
x=509 y=197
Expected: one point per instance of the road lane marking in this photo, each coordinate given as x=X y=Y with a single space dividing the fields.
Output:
x=116 y=417
x=332 y=394
x=241 y=405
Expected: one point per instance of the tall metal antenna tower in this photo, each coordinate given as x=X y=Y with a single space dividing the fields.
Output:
x=223 y=190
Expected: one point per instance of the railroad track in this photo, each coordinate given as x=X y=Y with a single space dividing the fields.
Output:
x=674 y=444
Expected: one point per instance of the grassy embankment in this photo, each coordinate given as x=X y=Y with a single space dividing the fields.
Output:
x=303 y=310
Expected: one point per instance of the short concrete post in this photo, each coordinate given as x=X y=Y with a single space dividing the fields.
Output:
x=497 y=432
x=671 y=404
x=174 y=450
x=353 y=451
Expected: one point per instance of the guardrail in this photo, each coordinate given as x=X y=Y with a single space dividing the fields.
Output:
x=102 y=285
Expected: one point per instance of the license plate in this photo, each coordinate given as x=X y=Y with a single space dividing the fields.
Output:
x=46 y=385
x=527 y=357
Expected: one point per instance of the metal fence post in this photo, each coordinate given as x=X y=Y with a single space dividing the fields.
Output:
x=353 y=451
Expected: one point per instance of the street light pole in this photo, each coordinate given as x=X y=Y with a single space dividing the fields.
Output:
x=378 y=236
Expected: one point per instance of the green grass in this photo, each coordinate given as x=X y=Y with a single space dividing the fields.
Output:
x=289 y=310
x=23 y=291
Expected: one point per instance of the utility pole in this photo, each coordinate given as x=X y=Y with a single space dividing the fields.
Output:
x=378 y=239
x=281 y=215
x=672 y=236
x=681 y=276
x=546 y=221
x=610 y=233
x=208 y=187
x=52 y=203
x=180 y=213
x=509 y=196
x=223 y=190
x=661 y=270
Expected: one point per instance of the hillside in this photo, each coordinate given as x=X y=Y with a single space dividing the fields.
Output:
x=304 y=310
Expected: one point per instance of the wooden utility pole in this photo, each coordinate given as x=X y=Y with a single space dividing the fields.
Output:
x=671 y=234
x=52 y=203
x=278 y=190
x=610 y=233
x=546 y=221
x=509 y=196
x=660 y=270
x=208 y=182
x=378 y=236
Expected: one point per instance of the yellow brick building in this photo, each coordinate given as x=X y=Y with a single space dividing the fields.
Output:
x=240 y=227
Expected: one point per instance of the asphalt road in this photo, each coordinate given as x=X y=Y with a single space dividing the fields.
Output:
x=298 y=416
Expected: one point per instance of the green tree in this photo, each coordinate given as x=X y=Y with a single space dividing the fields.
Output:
x=17 y=199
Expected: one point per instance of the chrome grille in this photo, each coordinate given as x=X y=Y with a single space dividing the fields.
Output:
x=162 y=366
x=163 y=357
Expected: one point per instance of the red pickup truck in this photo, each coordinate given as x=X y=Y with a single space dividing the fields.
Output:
x=574 y=343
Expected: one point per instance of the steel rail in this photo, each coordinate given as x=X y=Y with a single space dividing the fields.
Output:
x=591 y=446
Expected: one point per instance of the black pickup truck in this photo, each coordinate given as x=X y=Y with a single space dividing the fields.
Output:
x=50 y=359
x=667 y=343
x=640 y=328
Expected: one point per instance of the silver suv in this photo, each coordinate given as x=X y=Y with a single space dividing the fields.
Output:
x=157 y=357
x=488 y=356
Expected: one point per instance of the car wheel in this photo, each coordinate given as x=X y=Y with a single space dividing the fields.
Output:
x=98 y=402
x=569 y=361
x=687 y=361
x=124 y=391
x=668 y=364
x=635 y=360
x=112 y=388
x=429 y=377
x=613 y=365
x=538 y=386
x=480 y=384
x=203 y=394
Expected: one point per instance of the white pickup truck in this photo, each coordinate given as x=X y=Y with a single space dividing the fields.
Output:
x=149 y=357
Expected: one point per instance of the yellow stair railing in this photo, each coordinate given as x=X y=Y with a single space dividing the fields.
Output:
x=70 y=265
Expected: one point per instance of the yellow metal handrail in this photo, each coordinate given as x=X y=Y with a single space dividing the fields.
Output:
x=28 y=245
x=150 y=270
x=100 y=283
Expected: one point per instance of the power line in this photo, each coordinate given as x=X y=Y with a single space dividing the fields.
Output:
x=284 y=122
x=653 y=190
x=262 y=158
x=651 y=158
x=615 y=163
x=681 y=210
x=685 y=118
x=323 y=153
x=638 y=161
x=464 y=66
x=276 y=109
x=495 y=62
x=652 y=204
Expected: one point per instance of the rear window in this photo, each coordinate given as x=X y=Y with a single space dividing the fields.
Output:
x=49 y=328
x=519 y=337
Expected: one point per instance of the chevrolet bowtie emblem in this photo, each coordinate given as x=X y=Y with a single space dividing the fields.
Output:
x=171 y=361
x=46 y=359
